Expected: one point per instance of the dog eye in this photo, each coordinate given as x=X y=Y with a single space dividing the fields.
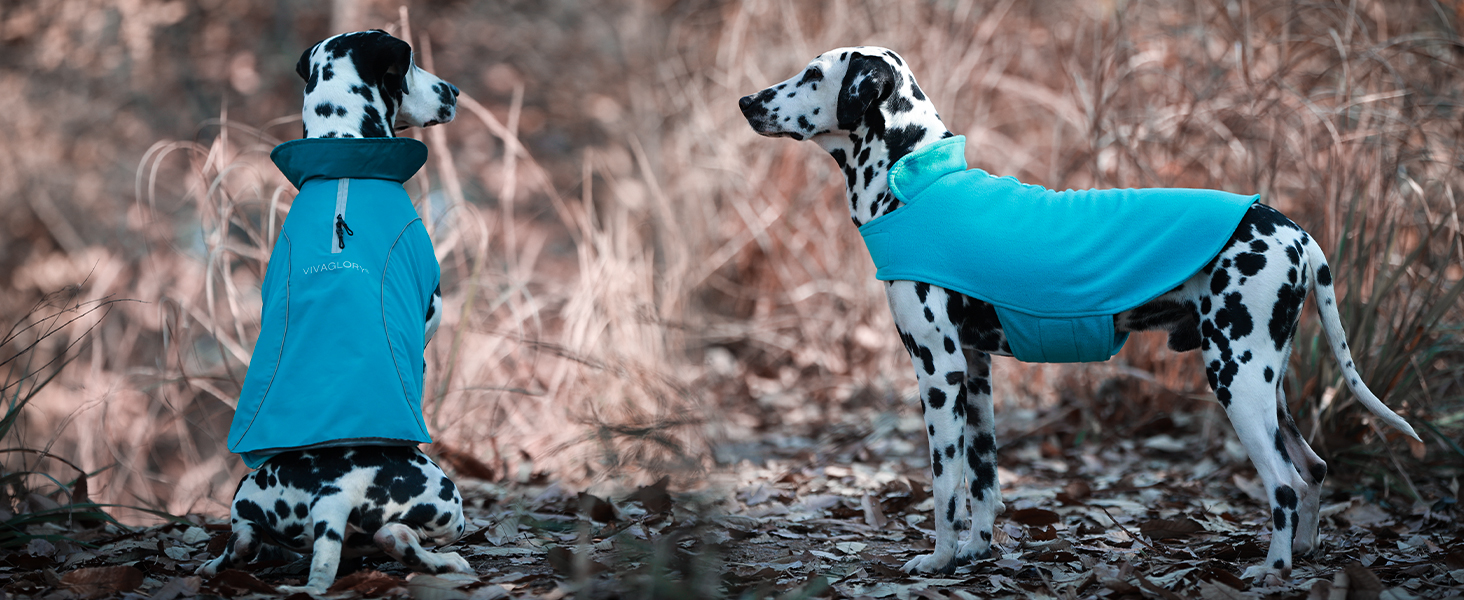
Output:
x=812 y=75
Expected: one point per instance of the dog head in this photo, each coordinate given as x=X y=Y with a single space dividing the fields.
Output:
x=862 y=106
x=867 y=89
x=365 y=84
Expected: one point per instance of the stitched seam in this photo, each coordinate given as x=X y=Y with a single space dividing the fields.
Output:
x=386 y=328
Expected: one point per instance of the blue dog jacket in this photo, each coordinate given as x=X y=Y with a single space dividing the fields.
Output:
x=1056 y=265
x=339 y=355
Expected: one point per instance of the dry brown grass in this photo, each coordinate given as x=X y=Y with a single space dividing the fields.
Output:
x=666 y=277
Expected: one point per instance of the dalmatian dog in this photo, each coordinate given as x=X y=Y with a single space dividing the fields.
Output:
x=346 y=501
x=355 y=500
x=863 y=106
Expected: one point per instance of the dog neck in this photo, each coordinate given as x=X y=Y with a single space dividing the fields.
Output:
x=342 y=109
x=866 y=154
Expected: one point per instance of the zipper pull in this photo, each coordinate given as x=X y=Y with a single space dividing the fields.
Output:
x=340 y=226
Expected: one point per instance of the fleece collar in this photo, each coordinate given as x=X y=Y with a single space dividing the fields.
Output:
x=919 y=169
x=393 y=159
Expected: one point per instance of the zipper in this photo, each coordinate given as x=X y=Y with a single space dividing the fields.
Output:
x=340 y=228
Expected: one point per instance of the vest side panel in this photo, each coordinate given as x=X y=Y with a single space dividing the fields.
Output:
x=1060 y=340
x=411 y=274
x=264 y=361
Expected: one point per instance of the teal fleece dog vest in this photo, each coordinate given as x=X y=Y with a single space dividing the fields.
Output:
x=339 y=356
x=1056 y=265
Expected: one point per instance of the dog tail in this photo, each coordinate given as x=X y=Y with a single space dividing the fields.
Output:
x=1326 y=296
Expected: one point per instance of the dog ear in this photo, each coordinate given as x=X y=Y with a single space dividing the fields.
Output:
x=303 y=67
x=868 y=82
x=392 y=61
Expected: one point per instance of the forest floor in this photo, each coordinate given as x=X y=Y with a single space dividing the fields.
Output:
x=1155 y=513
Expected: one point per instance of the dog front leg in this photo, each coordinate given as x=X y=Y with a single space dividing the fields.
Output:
x=940 y=370
x=980 y=457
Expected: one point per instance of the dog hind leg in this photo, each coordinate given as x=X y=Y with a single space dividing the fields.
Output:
x=331 y=515
x=1253 y=415
x=1248 y=319
x=1242 y=365
x=1311 y=468
x=1303 y=460
x=401 y=542
x=244 y=544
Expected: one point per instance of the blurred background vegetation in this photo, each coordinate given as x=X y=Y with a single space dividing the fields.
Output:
x=635 y=283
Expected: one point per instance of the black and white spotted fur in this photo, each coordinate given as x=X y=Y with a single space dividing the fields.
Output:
x=863 y=106
x=365 y=84
x=346 y=501
x=364 y=499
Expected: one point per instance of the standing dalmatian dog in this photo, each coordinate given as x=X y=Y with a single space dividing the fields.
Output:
x=862 y=105
x=338 y=476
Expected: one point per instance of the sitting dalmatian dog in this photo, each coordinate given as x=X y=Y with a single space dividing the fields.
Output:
x=1235 y=293
x=330 y=409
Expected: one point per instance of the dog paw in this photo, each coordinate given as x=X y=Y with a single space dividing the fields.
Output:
x=1266 y=576
x=453 y=562
x=300 y=589
x=1304 y=548
x=930 y=563
x=210 y=568
x=973 y=551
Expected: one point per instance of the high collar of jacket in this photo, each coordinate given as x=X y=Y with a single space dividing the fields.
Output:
x=917 y=170
x=395 y=159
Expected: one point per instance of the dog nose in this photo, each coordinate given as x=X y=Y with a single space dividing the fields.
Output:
x=454 y=90
x=745 y=102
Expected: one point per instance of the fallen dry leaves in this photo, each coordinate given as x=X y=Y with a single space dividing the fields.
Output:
x=1136 y=517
